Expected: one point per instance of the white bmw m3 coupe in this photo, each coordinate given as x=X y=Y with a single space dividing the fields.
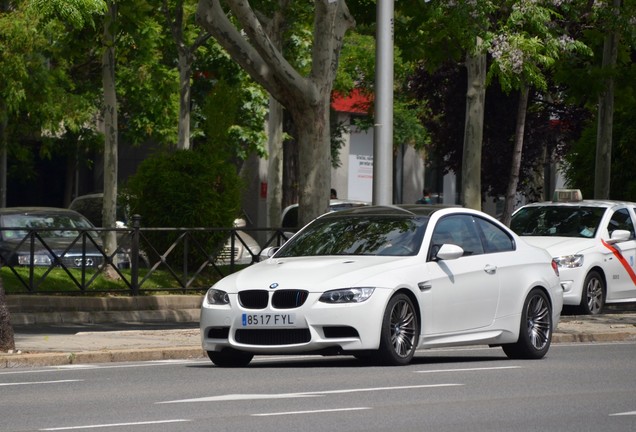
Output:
x=381 y=282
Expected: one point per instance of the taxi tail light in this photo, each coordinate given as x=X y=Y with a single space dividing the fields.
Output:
x=555 y=267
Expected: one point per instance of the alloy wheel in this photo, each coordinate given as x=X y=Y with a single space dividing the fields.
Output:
x=594 y=295
x=539 y=326
x=403 y=328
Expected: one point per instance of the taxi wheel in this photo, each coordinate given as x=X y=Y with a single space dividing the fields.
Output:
x=593 y=296
x=230 y=357
x=400 y=332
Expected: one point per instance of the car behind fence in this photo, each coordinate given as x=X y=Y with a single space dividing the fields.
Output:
x=146 y=260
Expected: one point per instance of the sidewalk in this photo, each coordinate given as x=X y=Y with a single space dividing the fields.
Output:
x=62 y=344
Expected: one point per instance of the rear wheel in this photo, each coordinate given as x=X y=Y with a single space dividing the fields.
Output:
x=400 y=332
x=229 y=357
x=535 y=333
x=593 y=296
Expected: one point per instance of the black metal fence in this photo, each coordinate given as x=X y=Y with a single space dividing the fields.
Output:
x=187 y=261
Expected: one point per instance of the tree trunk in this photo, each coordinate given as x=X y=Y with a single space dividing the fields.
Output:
x=109 y=216
x=274 y=162
x=7 y=342
x=275 y=31
x=290 y=163
x=473 y=130
x=603 y=169
x=4 y=122
x=314 y=162
x=186 y=56
x=515 y=165
x=185 y=72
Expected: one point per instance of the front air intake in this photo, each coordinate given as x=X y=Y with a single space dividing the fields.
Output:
x=268 y=337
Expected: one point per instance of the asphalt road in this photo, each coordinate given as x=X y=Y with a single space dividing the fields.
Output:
x=577 y=387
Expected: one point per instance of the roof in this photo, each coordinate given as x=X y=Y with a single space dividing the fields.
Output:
x=36 y=210
x=582 y=203
x=407 y=210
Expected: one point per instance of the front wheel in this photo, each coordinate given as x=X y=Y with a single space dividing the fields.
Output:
x=535 y=333
x=400 y=332
x=230 y=357
x=593 y=296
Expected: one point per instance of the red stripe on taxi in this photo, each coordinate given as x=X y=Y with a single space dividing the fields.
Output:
x=622 y=260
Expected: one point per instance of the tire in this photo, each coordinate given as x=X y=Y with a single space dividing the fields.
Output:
x=593 y=295
x=535 y=330
x=400 y=332
x=229 y=357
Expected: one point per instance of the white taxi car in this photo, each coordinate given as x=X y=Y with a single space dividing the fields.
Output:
x=593 y=242
x=380 y=282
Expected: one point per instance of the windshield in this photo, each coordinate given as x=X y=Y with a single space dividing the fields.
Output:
x=64 y=222
x=557 y=221
x=358 y=235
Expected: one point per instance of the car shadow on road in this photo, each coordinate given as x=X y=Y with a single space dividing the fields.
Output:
x=283 y=362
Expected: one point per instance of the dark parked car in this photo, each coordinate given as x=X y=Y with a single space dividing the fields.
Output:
x=91 y=207
x=54 y=233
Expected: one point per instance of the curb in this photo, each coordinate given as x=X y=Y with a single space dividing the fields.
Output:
x=593 y=337
x=86 y=357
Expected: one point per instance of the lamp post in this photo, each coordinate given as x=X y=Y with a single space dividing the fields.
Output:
x=383 y=127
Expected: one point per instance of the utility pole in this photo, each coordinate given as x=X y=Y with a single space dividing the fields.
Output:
x=383 y=127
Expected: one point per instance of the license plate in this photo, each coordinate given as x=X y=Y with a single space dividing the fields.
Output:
x=269 y=320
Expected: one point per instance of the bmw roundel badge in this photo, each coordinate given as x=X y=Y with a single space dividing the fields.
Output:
x=274 y=285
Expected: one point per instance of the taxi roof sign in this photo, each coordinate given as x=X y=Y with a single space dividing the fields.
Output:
x=567 y=195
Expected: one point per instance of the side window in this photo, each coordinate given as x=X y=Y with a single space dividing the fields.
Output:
x=459 y=230
x=621 y=220
x=495 y=238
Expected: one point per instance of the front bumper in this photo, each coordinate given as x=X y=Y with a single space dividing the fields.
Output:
x=572 y=283
x=316 y=326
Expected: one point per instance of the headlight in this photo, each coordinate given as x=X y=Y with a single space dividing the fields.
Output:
x=569 y=261
x=217 y=297
x=347 y=295
x=38 y=260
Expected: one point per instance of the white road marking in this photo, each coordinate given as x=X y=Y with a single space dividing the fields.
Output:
x=629 y=413
x=96 y=426
x=38 y=382
x=469 y=369
x=238 y=397
x=310 y=412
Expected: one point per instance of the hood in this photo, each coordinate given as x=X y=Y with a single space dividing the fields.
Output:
x=314 y=274
x=558 y=246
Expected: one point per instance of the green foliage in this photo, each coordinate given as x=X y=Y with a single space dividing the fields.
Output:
x=580 y=162
x=40 y=95
x=527 y=43
x=57 y=280
x=147 y=88
x=234 y=119
x=186 y=188
x=357 y=71
x=78 y=13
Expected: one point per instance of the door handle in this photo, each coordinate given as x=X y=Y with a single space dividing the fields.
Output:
x=490 y=269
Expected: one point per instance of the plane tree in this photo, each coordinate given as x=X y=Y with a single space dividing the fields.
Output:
x=512 y=44
x=239 y=28
x=35 y=92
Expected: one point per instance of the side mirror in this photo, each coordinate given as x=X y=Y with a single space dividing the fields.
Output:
x=619 y=236
x=449 y=252
x=268 y=252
